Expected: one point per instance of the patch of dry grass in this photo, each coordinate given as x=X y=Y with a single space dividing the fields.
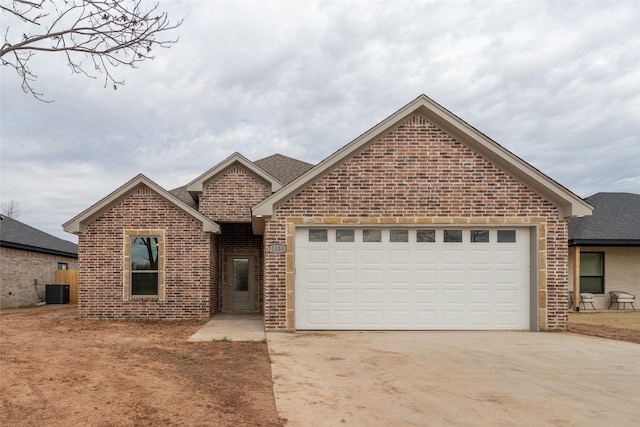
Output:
x=614 y=319
x=615 y=325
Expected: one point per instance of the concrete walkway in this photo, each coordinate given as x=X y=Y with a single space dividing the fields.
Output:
x=232 y=326
x=454 y=379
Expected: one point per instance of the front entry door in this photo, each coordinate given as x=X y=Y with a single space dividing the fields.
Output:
x=241 y=283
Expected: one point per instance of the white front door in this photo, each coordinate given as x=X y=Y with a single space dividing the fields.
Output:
x=240 y=277
x=473 y=278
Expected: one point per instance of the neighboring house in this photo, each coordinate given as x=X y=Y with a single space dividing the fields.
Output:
x=422 y=222
x=606 y=248
x=29 y=259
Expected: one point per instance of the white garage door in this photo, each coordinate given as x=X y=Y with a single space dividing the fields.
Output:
x=412 y=278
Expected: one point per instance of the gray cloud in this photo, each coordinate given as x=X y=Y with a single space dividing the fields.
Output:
x=554 y=82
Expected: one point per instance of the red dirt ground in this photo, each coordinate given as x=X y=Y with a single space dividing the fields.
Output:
x=59 y=370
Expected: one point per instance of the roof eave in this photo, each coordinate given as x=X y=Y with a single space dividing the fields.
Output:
x=77 y=225
x=604 y=242
x=569 y=205
x=29 y=248
x=196 y=186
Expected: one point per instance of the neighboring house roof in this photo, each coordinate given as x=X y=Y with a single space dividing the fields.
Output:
x=14 y=234
x=615 y=221
x=77 y=224
x=569 y=204
x=286 y=169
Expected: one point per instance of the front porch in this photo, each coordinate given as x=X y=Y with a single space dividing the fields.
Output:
x=231 y=327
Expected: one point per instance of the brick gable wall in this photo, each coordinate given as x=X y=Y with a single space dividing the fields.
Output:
x=188 y=264
x=230 y=195
x=417 y=174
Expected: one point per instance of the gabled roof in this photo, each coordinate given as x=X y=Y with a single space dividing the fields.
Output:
x=286 y=169
x=17 y=235
x=615 y=221
x=196 y=186
x=78 y=223
x=569 y=204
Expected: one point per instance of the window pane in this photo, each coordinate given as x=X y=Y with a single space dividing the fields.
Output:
x=343 y=235
x=506 y=236
x=399 y=236
x=453 y=235
x=480 y=236
x=63 y=266
x=317 y=235
x=144 y=253
x=372 y=235
x=241 y=274
x=591 y=264
x=144 y=283
x=427 y=236
x=594 y=285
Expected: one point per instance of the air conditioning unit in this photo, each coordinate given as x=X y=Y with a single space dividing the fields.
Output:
x=57 y=294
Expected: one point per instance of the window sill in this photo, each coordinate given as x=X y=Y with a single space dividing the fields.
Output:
x=144 y=298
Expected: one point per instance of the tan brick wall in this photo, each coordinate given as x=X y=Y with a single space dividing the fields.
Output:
x=230 y=195
x=188 y=263
x=621 y=273
x=19 y=269
x=418 y=173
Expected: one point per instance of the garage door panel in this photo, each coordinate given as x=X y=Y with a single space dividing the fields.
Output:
x=346 y=276
x=398 y=277
x=426 y=318
x=372 y=318
x=345 y=296
x=480 y=297
x=372 y=257
x=318 y=317
x=318 y=256
x=411 y=284
x=320 y=276
x=426 y=296
x=398 y=318
x=345 y=317
x=399 y=296
x=397 y=257
x=345 y=257
x=370 y=276
x=318 y=296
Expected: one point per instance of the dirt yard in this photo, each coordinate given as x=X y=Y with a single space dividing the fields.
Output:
x=616 y=325
x=58 y=370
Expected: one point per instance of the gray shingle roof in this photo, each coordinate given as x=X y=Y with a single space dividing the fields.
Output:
x=285 y=169
x=615 y=221
x=182 y=194
x=14 y=234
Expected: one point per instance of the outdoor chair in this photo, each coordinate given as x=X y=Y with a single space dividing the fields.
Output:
x=585 y=298
x=624 y=298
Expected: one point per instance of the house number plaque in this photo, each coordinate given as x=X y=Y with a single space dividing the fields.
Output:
x=278 y=249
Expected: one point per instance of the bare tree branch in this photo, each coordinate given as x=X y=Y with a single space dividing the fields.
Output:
x=10 y=209
x=109 y=33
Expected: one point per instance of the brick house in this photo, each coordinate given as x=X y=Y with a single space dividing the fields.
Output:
x=422 y=222
x=28 y=260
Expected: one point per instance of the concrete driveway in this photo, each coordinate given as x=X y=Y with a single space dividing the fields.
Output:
x=454 y=379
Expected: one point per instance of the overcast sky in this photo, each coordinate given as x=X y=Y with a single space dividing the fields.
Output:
x=555 y=82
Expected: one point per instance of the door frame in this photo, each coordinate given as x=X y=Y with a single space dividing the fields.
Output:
x=254 y=281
